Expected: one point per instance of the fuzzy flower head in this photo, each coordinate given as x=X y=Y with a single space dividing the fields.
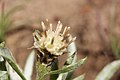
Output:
x=54 y=42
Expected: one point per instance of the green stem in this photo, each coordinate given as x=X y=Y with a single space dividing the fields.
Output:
x=15 y=67
x=42 y=71
x=54 y=67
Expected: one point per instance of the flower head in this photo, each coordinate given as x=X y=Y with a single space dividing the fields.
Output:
x=52 y=42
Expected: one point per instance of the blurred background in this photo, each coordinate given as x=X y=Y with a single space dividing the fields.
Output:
x=91 y=21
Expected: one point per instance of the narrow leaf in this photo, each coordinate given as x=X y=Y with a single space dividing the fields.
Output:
x=68 y=68
x=12 y=74
x=108 y=71
x=70 y=60
x=29 y=65
x=6 y=54
x=14 y=9
x=3 y=75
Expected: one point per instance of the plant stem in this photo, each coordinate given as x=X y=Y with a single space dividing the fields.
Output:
x=54 y=67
